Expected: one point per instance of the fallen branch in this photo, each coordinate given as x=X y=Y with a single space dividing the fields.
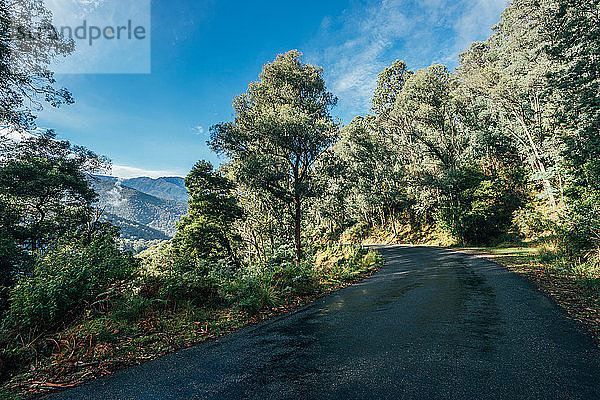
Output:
x=93 y=363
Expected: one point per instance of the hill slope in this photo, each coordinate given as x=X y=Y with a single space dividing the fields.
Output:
x=168 y=188
x=142 y=217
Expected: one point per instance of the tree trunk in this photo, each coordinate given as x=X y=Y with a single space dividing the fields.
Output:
x=538 y=160
x=297 y=226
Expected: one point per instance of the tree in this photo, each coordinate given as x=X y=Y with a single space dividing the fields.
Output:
x=509 y=73
x=572 y=40
x=28 y=44
x=389 y=85
x=424 y=116
x=206 y=232
x=282 y=125
x=44 y=194
x=370 y=176
x=572 y=33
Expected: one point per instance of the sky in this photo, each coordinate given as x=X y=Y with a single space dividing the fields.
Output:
x=204 y=52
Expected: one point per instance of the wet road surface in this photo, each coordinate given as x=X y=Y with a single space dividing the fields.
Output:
x=432 y=324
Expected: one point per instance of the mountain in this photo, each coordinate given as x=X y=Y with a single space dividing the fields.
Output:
x=144 y=219
x=169 y=188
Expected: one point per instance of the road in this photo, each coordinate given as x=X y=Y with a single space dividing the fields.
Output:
x=432 y=324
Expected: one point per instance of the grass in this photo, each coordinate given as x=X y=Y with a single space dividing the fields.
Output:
x=99 y=343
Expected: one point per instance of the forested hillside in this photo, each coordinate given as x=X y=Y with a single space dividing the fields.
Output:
x=144 y=220
x=504 y=148
x=168 y=188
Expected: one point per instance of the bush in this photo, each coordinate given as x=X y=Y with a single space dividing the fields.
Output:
x=74 y=274
x=295 y=279
x=532 y=221
x=173 y=278
x=484 y=205
x=176 y=287
x=255 y=294
x=132 y=308
x=356 y=233
x=581 y=231
x=338 y=263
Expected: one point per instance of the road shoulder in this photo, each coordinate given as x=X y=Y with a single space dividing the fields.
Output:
x=579 y=301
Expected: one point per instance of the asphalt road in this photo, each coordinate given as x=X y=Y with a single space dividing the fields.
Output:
x=432 y=324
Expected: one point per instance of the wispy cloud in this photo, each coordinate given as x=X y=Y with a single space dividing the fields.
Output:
x=354 y=63
x=198 y=130
x=476 y=23
x=14 y=135
x=359 y=43
x=125 y=172
x=101 y=46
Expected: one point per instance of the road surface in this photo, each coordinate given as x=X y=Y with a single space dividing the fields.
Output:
x=432 y=324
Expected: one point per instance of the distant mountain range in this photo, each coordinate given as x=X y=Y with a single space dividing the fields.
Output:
x=147 y=210
x=168 y=188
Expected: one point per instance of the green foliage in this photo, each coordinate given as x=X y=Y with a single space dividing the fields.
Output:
x=206 y=233
x=573 y=32
x=174 y=288
x=356 y=233
x=342 y=263
x=254 y=294
x=24 y=73
x=511 y=136
x=581 y=231
x=44 y=194
x=75 y=274
x=389 y=85
x=485 y=206
x=282 y=125
x=532 y=221
x=295 y=279
x=417 y=164
x=505 y=80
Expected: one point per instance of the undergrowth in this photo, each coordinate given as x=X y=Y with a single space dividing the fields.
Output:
x=164 y=307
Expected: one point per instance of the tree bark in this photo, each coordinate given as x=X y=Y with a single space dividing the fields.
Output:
x=297 y=226
x=538 y=160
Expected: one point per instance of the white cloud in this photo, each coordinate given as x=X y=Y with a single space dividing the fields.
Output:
x=360 y=43
x=125 y=172
x=476 y=22
x=198 y=130
x=17 y=136
x=95 y=26
x=353 y=65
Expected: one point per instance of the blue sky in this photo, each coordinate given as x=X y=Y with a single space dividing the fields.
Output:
x=205 y=52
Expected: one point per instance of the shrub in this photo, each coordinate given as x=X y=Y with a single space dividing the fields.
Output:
x=482 y=207
x=182 y=287
x=356 y=233
x=532 y=221
x=132 y=308
x=295 y=279
x=255 y=294
x=74 y=274
x=580 y=232
x=337 y=263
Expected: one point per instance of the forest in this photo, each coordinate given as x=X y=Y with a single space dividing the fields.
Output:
x=503 y=150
